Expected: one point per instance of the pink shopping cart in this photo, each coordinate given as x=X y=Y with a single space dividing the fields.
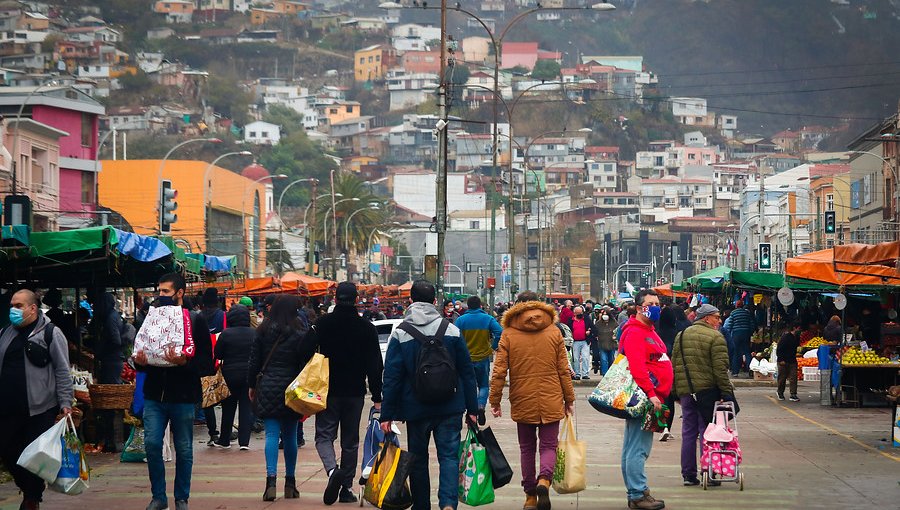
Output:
x=720 y=458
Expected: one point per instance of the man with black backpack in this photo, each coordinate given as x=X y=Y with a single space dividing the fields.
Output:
x=429 y=383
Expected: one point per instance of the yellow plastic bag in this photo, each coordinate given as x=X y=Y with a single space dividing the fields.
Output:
x=571 y=461
x=308 y=393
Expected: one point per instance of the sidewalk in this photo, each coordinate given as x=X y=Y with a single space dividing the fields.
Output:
x=796 y=455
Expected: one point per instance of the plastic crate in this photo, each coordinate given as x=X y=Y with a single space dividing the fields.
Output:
x=811 y=374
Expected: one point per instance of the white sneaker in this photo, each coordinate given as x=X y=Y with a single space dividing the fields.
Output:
x=665 y=435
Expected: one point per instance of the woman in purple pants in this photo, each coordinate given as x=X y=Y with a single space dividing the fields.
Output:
x=532 y=352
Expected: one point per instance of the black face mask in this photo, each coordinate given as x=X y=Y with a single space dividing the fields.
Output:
x=577 y=315
x=165 y=301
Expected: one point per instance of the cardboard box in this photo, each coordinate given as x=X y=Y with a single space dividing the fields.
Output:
x=760 y=377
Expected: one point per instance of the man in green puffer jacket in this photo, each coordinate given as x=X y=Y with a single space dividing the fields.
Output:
x=701 y=349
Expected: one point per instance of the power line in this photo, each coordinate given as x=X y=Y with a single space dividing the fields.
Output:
x=788 y=69
x=776 y=82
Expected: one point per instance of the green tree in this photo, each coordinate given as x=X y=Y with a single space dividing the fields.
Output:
x=355 y=198
x=297 y=157
x=546 y=70
x=228 y=98
x=289 y=119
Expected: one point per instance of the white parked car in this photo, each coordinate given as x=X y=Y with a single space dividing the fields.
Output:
x=385 y=328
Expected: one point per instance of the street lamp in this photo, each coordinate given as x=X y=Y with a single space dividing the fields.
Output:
x=281 y=218
x=310 y=233
x=162 y=163
x=207 y=186
x=247 y=238
x=334 y=245
x=373 y=206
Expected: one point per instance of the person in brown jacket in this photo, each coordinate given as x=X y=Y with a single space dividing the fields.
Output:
x=532 y=351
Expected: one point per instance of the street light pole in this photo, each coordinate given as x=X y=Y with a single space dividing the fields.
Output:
x=333 y=211
x=162 y=163
x=314 y=181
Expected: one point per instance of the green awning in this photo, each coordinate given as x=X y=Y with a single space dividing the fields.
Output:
x=44 y=244
x=717 y=273
x=756 y=280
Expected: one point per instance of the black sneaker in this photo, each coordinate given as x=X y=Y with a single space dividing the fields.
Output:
x=482 y=419
x=585 y=378
x=793 y=398
x=689 y=482
x=333 y=488
x=781 y=397
x=212 y=439
x=347 y=496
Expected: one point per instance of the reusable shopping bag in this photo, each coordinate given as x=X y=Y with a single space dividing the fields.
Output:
x=571 y=461
x=308 y=393
x=501 y=472
x=165 y=327
x=74 y=475
x=617 y=394
x=656 y=421
x=134 y=448
x=214 y=389
x=475 y=485
x=387 y=487
x=43 y=457
x=372 y=443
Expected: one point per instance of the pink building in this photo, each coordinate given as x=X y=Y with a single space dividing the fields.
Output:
x=37 y=148
x=76 y=114
x=525 y=54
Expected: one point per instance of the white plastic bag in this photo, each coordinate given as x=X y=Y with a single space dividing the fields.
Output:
x=43 y=456
x=165 y=327
x=74 y=475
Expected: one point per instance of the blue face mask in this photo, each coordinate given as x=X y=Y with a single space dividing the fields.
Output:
x=652 y=313
x=16 y=316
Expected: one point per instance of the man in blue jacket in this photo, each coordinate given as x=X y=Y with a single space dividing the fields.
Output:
x=482 y=333
x=444 y=419
x=740 y=324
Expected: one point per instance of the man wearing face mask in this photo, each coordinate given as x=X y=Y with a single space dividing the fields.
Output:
x=652 y=371
x=606 y=342
x=582 y=334
x=35 y=385
x=170 y=394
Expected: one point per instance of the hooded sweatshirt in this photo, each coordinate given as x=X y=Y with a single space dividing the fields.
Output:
x=400 y=404
x=233 y=346
x=647 y=359
x=532 y=351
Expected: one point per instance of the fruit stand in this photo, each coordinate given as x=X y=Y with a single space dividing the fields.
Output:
x=865 y=377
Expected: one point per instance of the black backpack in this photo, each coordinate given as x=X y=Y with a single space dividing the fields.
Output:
x=435 y=379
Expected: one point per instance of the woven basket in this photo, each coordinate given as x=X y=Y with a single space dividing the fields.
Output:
x=111 y=396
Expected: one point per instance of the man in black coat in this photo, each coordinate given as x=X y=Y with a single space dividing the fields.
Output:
x=170 y=394
x=351 y=345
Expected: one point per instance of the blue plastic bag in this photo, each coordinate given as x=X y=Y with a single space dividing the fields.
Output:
x=137 y=405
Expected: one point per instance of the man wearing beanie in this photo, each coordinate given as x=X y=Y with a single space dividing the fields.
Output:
x=254 y=319
x=354 y=356
x=700 y=362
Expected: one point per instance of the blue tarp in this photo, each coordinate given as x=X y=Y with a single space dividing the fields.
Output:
x=217 y=264
x=142 y=248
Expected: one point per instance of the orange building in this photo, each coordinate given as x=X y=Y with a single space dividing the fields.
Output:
x=237 y=207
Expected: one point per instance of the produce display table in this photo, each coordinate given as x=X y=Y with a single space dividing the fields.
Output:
x=864 y=384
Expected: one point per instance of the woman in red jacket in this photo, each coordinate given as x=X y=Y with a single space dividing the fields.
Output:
x=652 y=371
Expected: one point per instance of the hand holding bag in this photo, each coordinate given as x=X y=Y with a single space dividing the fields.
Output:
x=308 y=392
x=475 y=485
x=387 y=487
x=618 y=394
x=166 y=327
x=43 y=457
x=501 y=472
x=74 y=475
x=571 y=461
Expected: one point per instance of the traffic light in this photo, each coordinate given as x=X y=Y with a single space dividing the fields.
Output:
x=167 y=206
x=765 y=255
x=830 y=222
x=703 y=264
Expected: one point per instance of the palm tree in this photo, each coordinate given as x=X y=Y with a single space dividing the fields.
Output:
x=355 y=198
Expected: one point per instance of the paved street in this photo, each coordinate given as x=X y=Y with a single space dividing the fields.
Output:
x=796 y=455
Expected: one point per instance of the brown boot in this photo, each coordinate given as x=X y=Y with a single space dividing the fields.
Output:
x=530 y=501
x=646 y=502
x=542 y=491
x=651 y=498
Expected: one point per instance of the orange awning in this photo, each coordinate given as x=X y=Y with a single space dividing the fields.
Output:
x=855 y=265
x=666 y=290
x=404 y=289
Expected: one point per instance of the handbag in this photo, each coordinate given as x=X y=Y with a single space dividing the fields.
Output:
x=43 y=457
x=308 y=392
x=475 y=485
x=705 y=399
x=571 y=461
x=134 y=450
x=262 y=370
x=618 y=394
x=214 y=389
x=501 y=472
x=387 y=487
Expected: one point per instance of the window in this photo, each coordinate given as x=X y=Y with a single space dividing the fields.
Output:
x=349 y=109
x=87 y=130
x=829 y=201
x=692 y=156
x=608 y=201
x=371 y=59
x=475 y=225
x=87 y=188
x=263 y=134
x=362 y=60
x=598 y=178
x=610 y=178
x=333 y=111
x=252 y=135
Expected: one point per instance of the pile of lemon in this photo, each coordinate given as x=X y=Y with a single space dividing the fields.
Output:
x=855 y=356
x=815 y=342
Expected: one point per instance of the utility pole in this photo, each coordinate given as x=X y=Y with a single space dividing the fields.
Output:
x=311 y=233
x=333 y=250
x=441 y=188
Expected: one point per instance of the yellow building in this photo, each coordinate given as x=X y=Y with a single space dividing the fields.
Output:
x=367 y=64
x=339 y=111
x=237 y=210
x=260 y=16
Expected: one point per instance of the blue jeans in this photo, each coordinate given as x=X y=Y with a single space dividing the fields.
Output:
x=741 y=355
x=286 y=430
x=446 y=441
x=581 y=357
x=607 y=358
x=180 y=417
x=482 y=380
x=635 y=451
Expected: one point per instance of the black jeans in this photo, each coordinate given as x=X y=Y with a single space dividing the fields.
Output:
x=343 y=412
x=17 y=432
x=238 y=401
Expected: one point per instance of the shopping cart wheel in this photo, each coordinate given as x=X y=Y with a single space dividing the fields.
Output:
x=741 y=480
x=704 y=481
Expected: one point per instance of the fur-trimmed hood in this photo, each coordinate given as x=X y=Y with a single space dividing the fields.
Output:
x=529 y=316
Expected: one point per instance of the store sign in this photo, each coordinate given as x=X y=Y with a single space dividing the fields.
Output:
x=757 y=299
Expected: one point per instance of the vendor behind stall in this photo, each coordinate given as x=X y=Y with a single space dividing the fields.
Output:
x=834 y=331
